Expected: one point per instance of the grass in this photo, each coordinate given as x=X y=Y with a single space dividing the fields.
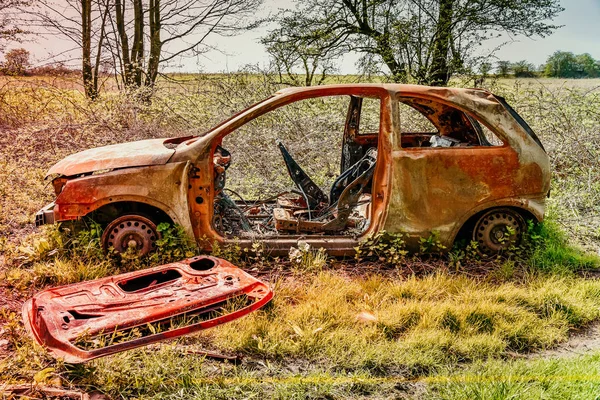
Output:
x=328 y=332
x=556 y=378
x=425 y=327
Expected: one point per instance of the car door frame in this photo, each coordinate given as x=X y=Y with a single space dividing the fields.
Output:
x=202 y=213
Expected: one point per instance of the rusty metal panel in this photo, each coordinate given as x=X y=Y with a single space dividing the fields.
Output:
x=161 y=186
x=133 y=154
x=86 y=320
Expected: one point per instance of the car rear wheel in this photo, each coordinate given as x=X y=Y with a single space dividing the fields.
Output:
x=130 y=231
x=498 y=229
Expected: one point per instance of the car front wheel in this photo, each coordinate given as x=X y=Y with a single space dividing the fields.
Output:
x=130 y=231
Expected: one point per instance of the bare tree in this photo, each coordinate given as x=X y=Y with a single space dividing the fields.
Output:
x=83 y=23
x=172 y=29
x=10 y=29
x=139 y=36
x=298 y=63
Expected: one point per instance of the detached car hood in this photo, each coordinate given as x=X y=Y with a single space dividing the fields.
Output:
x=133 y=154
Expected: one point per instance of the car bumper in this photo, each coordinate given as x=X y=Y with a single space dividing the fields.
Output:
x=45 y=215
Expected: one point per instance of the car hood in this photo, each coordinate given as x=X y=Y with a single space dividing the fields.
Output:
x=133 y=154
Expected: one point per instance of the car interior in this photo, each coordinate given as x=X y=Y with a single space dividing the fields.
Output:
x=306 y=209
x=343 y=208
x=431 y=124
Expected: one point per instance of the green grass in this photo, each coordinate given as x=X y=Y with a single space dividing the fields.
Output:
x=423 y=328
x=577 y=377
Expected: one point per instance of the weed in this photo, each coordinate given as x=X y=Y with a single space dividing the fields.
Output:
x=383 y=246
x=431 y=244
x=305 y=258
x=231 y=252
x=173 y=245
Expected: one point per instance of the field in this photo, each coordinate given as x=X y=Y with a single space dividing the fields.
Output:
x=446 y=327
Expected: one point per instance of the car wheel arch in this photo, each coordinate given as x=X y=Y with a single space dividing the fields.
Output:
x=114 y=208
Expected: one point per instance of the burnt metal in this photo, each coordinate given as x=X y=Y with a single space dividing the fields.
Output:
x=313 y=194
x=45 y=215
x=351 y=174
x=415 y=189
x=334 y=218
x=86 y=320
x=130 y=231
x=497 y=230
x=352 y=151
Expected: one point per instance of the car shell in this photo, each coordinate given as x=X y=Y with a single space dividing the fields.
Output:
x=418 y=191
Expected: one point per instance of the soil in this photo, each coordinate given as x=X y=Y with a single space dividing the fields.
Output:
x=583 y=342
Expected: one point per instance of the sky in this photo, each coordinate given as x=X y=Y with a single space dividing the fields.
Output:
x=580 y=33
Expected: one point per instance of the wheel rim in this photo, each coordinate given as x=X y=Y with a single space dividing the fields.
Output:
x=130 y=231
x=497 y=230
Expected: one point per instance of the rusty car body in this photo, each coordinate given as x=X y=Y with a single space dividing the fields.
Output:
x=449 y=182
x=87 y=320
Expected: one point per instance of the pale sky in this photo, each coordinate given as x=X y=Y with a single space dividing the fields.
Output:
x=580 y=34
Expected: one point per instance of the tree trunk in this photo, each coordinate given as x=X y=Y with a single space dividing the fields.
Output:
x=386 y=53
x=91 y=91
x=99 y=49
x=440 y=73
x=398 y=70
x=155 y=42
x=137 y=50
x=125 y=59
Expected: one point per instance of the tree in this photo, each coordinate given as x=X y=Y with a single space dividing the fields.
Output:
x=16 y=62
x=137 y=36
x=485 y=68
x=300 y=62
x=565 y=64
x=84 y=23
x=172 y=29
x=426 y=41
x=503 y=68
x=587 y=66
x=561 y=64
x=10 y=29
x=523 y=69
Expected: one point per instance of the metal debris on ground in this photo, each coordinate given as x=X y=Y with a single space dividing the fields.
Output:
x=86 y=320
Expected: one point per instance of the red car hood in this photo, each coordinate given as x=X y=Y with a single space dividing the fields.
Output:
x=133 y=154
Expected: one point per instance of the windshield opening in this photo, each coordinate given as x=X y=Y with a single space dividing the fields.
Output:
x=194 y=138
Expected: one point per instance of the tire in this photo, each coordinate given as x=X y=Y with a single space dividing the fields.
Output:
x=497 y=230
x=130 y=230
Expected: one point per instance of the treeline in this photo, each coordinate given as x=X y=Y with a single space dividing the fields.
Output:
x=561 y=64
x=16 y=63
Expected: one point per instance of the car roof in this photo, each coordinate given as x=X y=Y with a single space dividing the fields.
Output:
x=407 y=89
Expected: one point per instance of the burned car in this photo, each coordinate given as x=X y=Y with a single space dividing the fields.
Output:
x=471 y=167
